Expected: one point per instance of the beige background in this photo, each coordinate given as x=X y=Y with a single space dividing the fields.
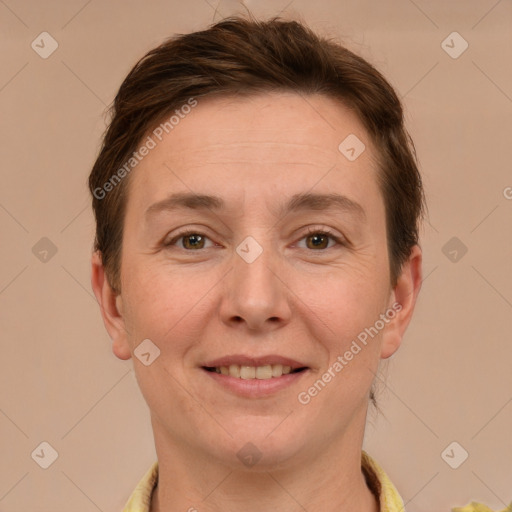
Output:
x=59 y=381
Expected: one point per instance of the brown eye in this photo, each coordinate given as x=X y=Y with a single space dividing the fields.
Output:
x=193 y=241
x=318 y=241
x=190 y=241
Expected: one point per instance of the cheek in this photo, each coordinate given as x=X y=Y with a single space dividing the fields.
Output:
x=165 y=306
x=344 y=319
x=347 y=299
x=341 y=312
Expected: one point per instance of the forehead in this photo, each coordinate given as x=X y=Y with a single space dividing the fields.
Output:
x=277 y=139
x=271 y=121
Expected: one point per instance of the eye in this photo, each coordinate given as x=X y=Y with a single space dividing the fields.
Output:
x=191 y=240
x=316 y=239
x=319 y=239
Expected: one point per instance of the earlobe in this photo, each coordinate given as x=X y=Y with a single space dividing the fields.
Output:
x=403 y=300
x=111 y=308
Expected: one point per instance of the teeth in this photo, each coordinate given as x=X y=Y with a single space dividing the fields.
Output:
x=265 y=372
x=234 y=370
x=277 y=370
x=247 y=372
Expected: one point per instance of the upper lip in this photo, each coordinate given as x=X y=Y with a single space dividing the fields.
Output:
x=244 y=360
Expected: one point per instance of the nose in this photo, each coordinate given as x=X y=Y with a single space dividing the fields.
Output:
x=256 y=295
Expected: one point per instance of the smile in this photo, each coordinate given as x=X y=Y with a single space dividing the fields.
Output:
x=265 y=372
x=254 y=377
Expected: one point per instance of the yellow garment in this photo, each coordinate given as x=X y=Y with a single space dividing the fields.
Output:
x=381 y=486
x=377 y=479
x=140 y=500
x=478 y=507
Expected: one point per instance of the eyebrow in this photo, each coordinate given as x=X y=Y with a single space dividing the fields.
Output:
x=297 y=203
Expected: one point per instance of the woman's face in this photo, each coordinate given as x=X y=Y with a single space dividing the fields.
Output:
x=285 y=264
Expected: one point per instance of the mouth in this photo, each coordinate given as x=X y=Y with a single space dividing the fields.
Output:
x=255 y=377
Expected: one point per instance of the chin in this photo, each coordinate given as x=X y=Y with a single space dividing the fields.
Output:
x=261 y=447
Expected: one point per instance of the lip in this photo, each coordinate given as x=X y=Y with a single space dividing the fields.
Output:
x=255 y=388
x=244 y=360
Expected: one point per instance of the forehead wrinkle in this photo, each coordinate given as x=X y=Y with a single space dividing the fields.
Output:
x=234 y=146
x=190 y=158
x=250 y=162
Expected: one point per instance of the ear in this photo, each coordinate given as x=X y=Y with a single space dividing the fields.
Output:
x=402 y=301
x=110 y=304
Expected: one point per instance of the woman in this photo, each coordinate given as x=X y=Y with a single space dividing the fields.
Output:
x=257 y=204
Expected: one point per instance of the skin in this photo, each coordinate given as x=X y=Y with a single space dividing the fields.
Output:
x=295 y=300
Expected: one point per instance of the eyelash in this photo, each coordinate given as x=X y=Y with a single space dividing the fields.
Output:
x=309 y=232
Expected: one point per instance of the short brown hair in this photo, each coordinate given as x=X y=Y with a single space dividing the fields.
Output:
x=247 y=56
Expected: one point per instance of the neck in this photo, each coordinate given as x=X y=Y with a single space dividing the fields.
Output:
x=189 y=482
x=271 y=494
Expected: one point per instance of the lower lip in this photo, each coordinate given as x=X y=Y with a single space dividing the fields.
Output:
x=255 y=388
